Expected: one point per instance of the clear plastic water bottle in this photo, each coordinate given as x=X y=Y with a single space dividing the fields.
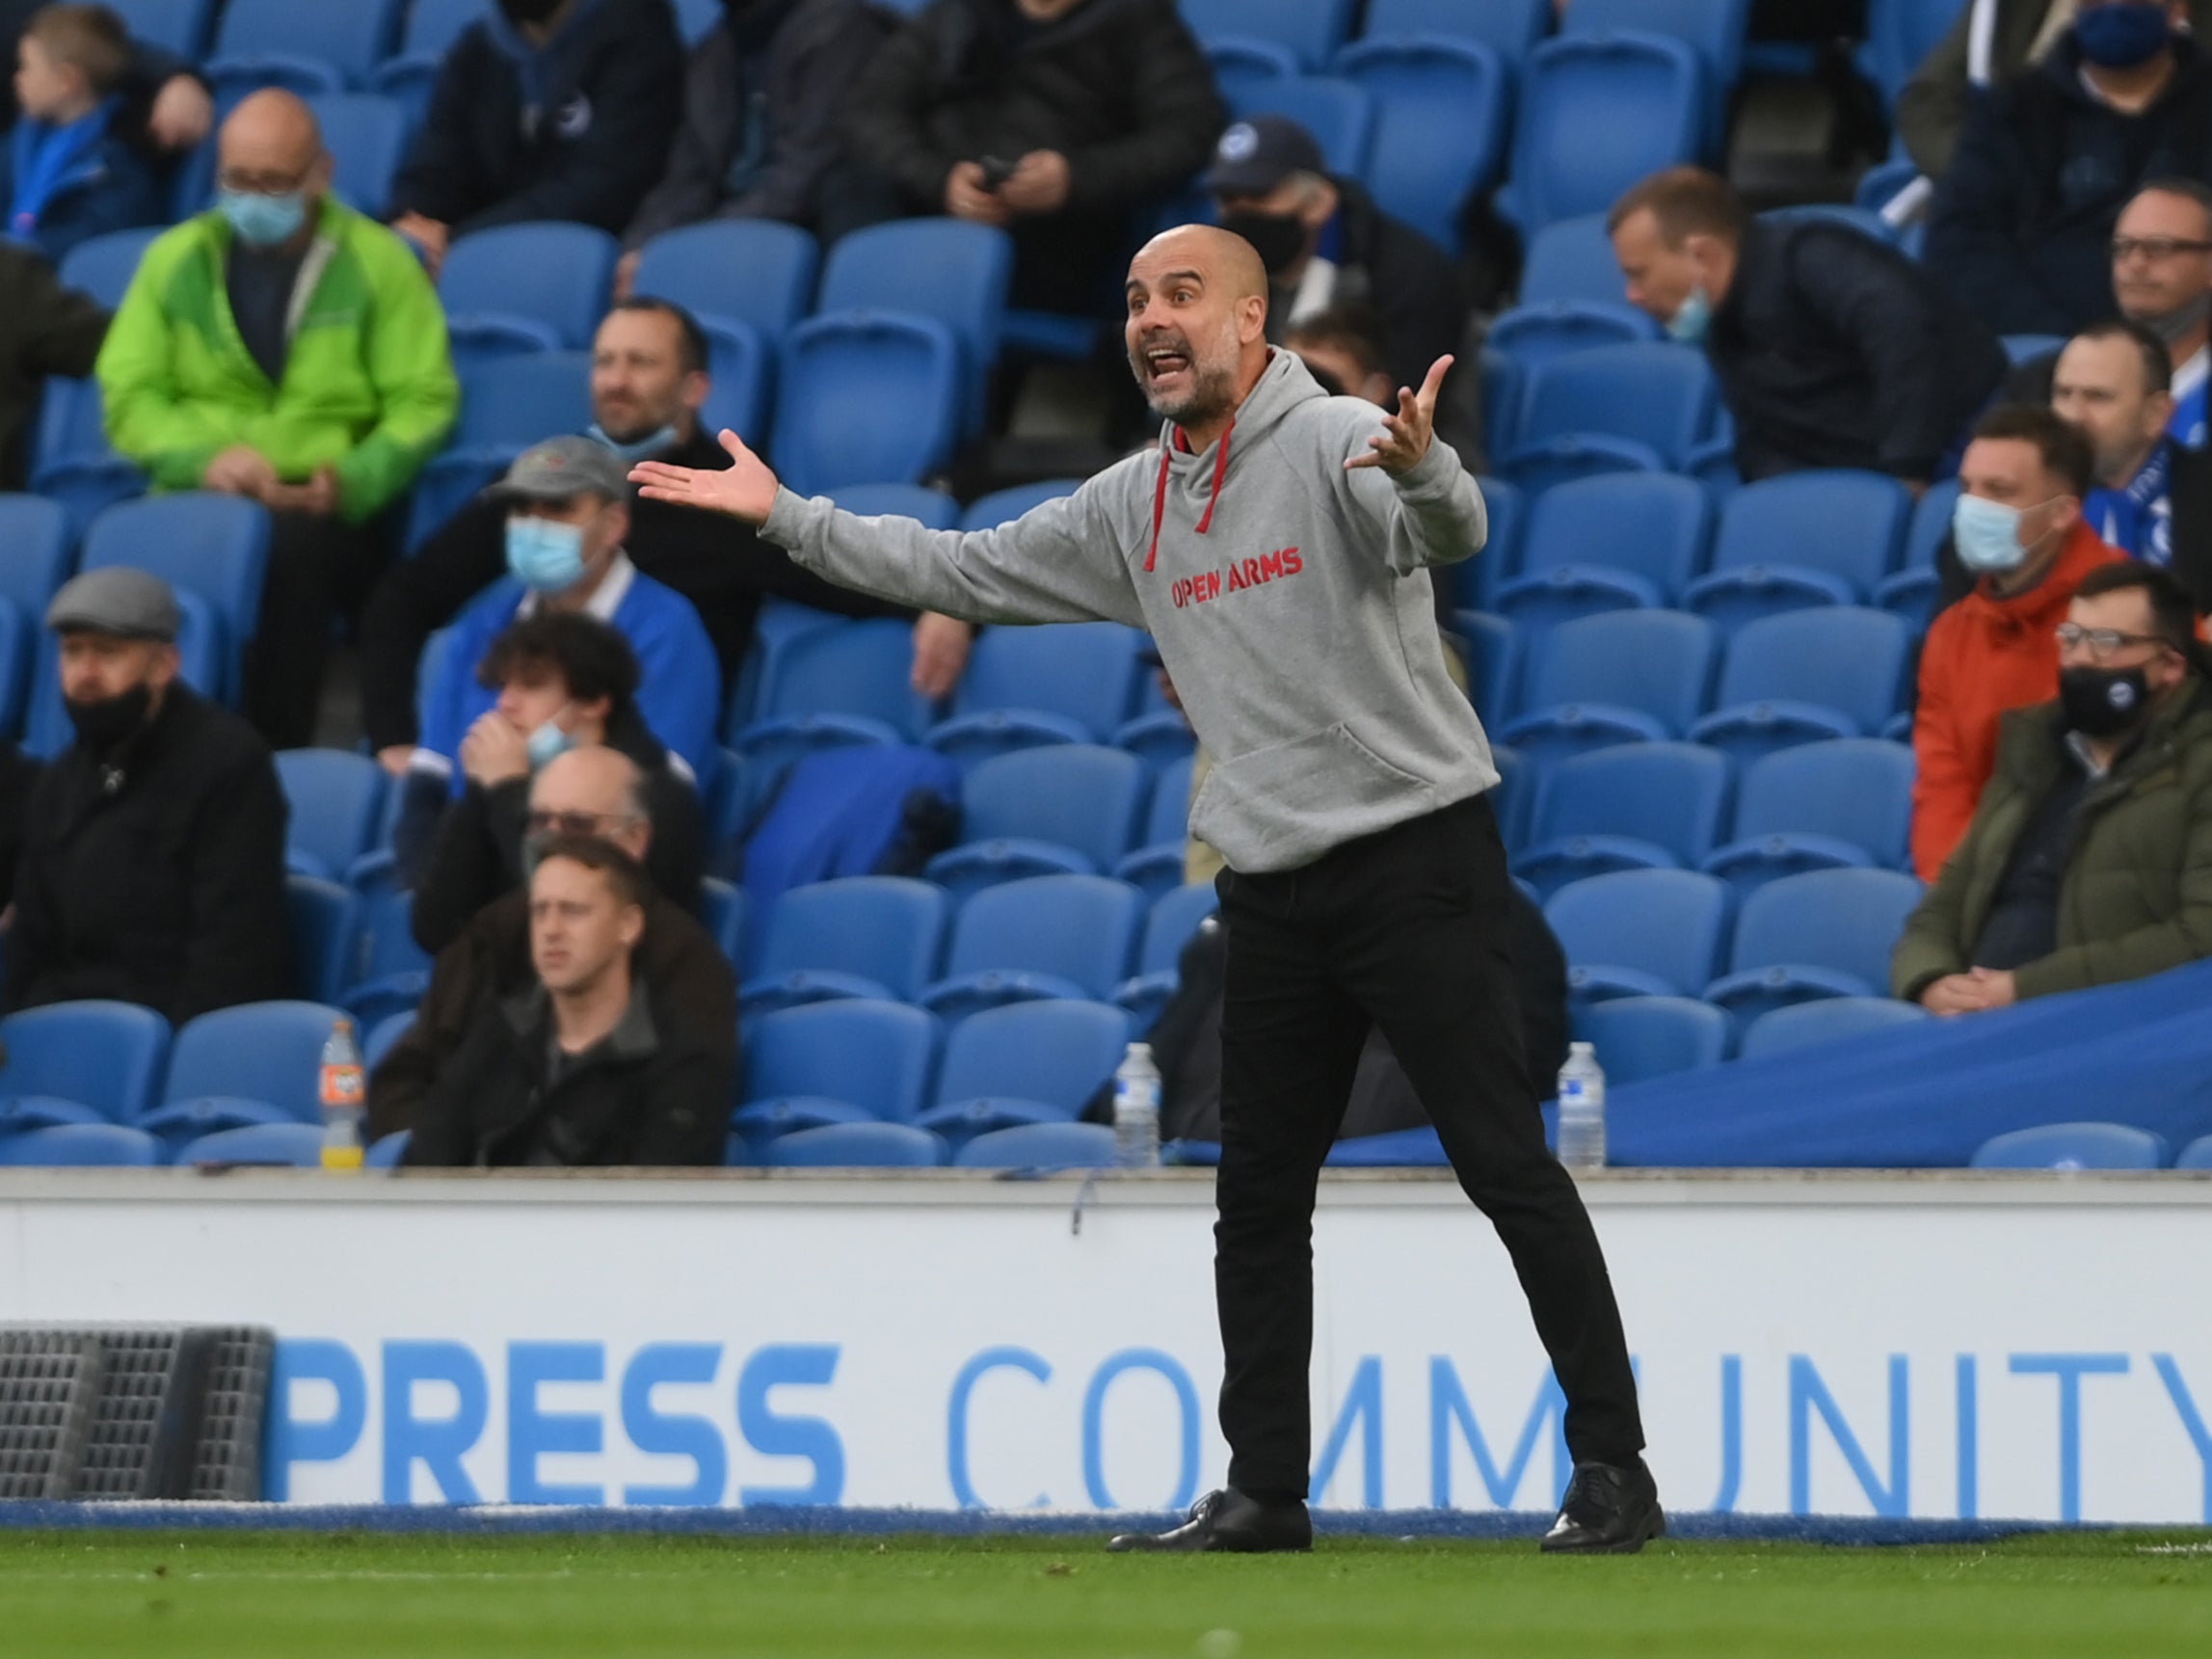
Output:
x=1136 y=1109
x=1581 y=1110
x=345 y=1099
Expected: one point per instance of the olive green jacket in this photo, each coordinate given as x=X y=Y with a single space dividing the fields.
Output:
x=2137 y=895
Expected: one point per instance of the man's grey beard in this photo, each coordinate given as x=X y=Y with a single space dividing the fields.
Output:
x=1212 y=392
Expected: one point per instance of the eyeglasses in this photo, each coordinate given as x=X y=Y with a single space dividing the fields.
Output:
x=2154 y=247
x=543 y=823
x=2102 y=642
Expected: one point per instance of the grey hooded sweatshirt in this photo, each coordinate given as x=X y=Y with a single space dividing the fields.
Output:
x=1289 y=600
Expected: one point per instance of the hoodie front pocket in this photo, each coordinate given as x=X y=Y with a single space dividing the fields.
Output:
x=1301 y=797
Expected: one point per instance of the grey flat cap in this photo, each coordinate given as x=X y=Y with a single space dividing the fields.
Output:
x=118 y=600
x=562 y=468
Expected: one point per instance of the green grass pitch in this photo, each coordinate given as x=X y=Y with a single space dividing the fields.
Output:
x=236 y=1595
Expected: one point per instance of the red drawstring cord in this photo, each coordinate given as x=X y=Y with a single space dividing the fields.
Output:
x=1221 y=472
x=1159 y=491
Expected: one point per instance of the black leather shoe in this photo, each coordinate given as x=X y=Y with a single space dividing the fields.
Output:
x=1610 y=1509
x=1228 y=1521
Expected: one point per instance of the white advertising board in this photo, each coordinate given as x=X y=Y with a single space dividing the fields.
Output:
x=1941 y=1347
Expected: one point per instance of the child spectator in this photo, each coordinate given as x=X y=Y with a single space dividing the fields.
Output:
x=73 y=174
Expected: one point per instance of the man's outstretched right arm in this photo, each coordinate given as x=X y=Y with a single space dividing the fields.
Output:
x=1061 y=562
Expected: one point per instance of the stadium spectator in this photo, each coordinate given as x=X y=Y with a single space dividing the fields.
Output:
x=582 y=1069
x=1991 y=41
x=75 y=173
x=18 y=773
x=166 y=109
x=568 y=517
x=2089 y=859
x=1326 y=244
x=1056 y=119
x=542 y=109
x=2020 y=529
x=684 y=972
x=649 y=382
x=1341 y=348
x=45 y=330
x=151 y=868
x=762 y=102
x=282 y=348
x=2021 y=223
x=2153 y=497
x=564 y=680
x=1831 y=349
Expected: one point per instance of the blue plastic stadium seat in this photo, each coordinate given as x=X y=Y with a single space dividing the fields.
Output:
x=1624 y=676
x=754 y=270
x=346 y=41
x=1512 y=26
x=831 y=687
x=382 y=1036
x=1158 y=739
x=1038 y=1062
x=1155 y=867
x=390 y=970
x=2197 y=1155
x=322 y=929
x=259 y=1062
x=857 y=1146
x=1239 y=61
x=1804 y=539
x=367 y=136
x=741 y=363
x=1340 y=115
x=178 y=26
x=1638 y=805
x=1473 y=581
x=1597 y=114
x=840 y=372
x=1071 y=683
x=1393 y=1149
x=1641 y=1037
x=1825 y=933
x=833 y=1062
x=1176 y=918
x=432 y=27
x=1802 y=676
x=293 y=1146
x=72 y=462
x=948 y=270
x=1004 y=506
x=80 y=1062
x=103 y=266
x=1069 y=808
x=1050 y=936
x=1570 y=261
x=18 y=651
x=1930 y=526
x=1514 y=799
x=80 y=1145
x=1441 y=122
x=2073 y=1146
x=1829 y=1020
x=724 y=914
x=214 y=546
x=779 y=625
x=1040 y=1146
x=1620 y=541
x=1839 y=805
x=1640 y=932
x=1531 y=335
x=1900 y=34
x=507 y=404
x=526 y=287
x=337 y=801
x=868 y=936
x=1500 y=385
x=1625 y=408
x=1493 y=666
x=1715 y=29
x=1311 y=29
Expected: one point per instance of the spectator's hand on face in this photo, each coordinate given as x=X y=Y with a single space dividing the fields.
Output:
x=625 y=274
x=1952 y=994
x=428 y=234
x=240 y=470
x=1039 y=185
x=941 y=646
x=183 y=113
x=493 y=752
x=966 y=197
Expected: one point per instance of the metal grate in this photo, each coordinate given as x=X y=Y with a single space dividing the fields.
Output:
x=226 y=1463
x=48 y=1383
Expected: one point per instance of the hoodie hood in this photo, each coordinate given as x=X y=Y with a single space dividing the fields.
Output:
x=1200 y=476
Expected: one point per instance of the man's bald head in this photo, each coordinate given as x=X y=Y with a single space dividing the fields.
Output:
x=272 y=145
x=595 y=783
x=1197 y=329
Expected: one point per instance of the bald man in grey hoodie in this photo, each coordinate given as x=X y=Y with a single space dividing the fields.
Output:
x=1278 y=548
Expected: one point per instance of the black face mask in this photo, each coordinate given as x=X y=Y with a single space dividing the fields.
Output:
x=1279 y=238
x=529 y=10
x=108 y=721
x=2104 y=702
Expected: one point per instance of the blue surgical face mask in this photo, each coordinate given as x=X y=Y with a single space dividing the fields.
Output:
x=643 y=448
x=546 y=554
x=263 y=221
x=1988 y=536
x=2122 y=35
x=1692 y=319
x=548 y=742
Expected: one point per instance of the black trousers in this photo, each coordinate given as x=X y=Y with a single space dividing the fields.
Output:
x=318 y=568
x=1407 y=929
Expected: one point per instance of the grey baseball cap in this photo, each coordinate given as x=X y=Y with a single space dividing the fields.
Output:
x=1254 y=156
x=562 y=468
x=115 y=600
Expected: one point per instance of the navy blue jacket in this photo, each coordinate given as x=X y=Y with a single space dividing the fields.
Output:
x=578 y=131
x=2022 y=225
x=112 y=187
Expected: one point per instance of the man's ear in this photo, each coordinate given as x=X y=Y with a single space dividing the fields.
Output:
x=698 y=388
x=168 y=663
x=632 y=928
x=1251 y=319
x=2158 y=413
